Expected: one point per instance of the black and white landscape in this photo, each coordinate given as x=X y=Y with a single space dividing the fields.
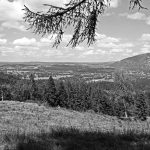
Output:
x=74 y=75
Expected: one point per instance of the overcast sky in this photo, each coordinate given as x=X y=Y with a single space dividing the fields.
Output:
x=120 y=33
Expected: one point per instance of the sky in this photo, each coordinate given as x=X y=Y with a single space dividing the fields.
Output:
x=121 y=33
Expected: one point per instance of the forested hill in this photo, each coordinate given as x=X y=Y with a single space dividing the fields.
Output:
x=8 y=78
x=138 y=62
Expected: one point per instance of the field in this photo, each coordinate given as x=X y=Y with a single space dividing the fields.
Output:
x=28 y=126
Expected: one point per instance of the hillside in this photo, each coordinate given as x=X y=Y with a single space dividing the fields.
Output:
x=29 y=127
x=138 y=62
x=32 y=117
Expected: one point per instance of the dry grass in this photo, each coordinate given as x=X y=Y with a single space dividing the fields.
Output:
x=18 y=118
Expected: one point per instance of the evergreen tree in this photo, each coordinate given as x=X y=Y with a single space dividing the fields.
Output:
x=141 y=107
x=62 y=98
x=34 y=88
x=50 y=92
x=70 y=92
x=123 y=90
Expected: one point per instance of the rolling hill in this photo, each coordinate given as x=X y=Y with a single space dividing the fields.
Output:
x=138 y=62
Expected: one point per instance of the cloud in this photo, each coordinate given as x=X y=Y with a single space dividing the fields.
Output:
x=145 y=50
x=2 y=35
x=99 y=51
x=103 y=38
x=13 y=25
x=104 y=41
x=145 y=43
x=148 y=20
x=145 y=37
x=46 y=41
x=114 y=3
x=79 y=48
x=137 y=16
x=11 y=10
x=117 y=50
x=3 y=41
x=110 y=45
x=25 y=41
x=90 y=52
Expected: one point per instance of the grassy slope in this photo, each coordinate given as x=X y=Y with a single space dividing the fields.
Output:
x=31 y=118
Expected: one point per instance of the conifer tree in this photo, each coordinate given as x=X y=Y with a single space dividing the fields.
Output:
x=123 y=90
x=69 y=93
x=62 y=98
x=34 y=88
x=50 y=92
x=141 y=107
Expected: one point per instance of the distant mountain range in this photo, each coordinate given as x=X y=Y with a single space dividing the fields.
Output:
x=138 y=62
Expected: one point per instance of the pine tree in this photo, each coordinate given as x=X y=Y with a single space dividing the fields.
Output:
x=34 y=88
x=50 y=92
x=69 y=91
x=62 y=98
x=123 y=90
x=141 y=107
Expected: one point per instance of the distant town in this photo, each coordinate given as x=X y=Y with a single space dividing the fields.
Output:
x=91 y=72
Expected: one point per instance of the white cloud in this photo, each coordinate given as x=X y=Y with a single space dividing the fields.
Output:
x=117 y=50
x=90 y=52
x=11 y=10
x=104 y=41
x=137 y=16
x=36 y=4
x=145 y=41
x=145 y=50
x=47 y=41
x=145 y=37
x=13 y=25
x=79 y=48
x=25 y=41
x=129 y=50
x=99 y=51
x=1 y=35
x=111 y=45
x=104 y=38
x=113 y=3
x=148 y=20
x=3 y=41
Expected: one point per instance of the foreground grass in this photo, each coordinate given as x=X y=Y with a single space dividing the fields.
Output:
x=74 y=139
x=26 y=126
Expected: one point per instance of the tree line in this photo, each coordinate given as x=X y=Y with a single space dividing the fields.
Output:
x=115 y=99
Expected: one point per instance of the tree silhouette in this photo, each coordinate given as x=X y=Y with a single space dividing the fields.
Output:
x=34 y=88
x=141 y=107
x=62 y=98
x=82 y=15
x=123 y=91
x=50 y=92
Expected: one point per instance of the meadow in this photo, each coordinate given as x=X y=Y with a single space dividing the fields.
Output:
x=29 y=126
